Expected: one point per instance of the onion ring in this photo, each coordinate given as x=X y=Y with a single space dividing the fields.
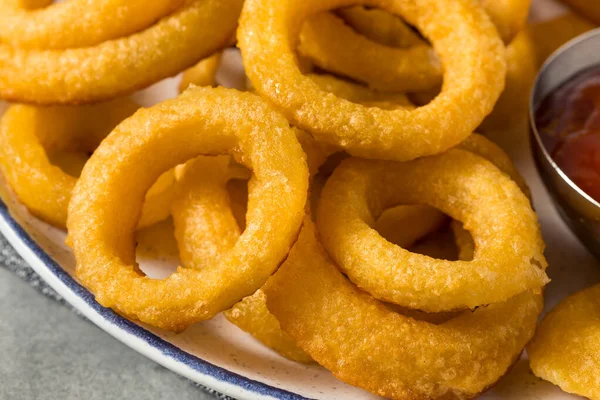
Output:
x=564 y=350
x=359 y=94
x=509 y=16
x=120 y=66
x=102 y=215
x=380 y=26
x=381 y=67
x=32 y=137
x=206 y=229
x=466 y=187
x=474 y=78
x=364 y=343
x=77 y=23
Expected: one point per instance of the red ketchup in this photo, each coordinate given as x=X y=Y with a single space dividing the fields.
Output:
x=569 y=123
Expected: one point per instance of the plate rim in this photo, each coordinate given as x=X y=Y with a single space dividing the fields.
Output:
x=133 y=336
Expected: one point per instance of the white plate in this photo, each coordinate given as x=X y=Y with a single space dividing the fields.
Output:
x=219 y=355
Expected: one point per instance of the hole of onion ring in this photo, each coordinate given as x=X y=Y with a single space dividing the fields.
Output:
x=365 y=30
x=238 y=198
x=156 y=253
x=439 y=244
x=71 y=162
x=404 y=225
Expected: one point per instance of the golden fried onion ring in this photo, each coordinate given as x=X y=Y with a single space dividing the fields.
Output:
x=381 y=67
x=31 y=138
x=509 y=254
x=380 y=26
x=366 y=344
x=206 y=229
x=565 y=348
x=108 y=197
x=473 y=77
x=118 y=66
x=404 y=64
x=77 y=23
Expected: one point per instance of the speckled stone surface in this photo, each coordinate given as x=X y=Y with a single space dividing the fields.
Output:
x=47 y=351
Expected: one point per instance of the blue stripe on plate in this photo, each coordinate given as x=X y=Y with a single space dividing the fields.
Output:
x=173 y=352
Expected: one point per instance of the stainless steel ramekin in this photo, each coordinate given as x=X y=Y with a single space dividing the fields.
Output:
x=577 y=208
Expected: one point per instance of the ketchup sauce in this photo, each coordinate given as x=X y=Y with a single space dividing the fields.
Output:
x=568 y=121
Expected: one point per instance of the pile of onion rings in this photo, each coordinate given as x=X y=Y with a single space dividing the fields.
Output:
x=473 y=75
x=101 y=230
x=42 y=152
x=415 y=271
x=112 y=63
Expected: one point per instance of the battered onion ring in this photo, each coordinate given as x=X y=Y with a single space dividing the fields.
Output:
x=380 y=26
x=381 y=67
x=30 y=137
x=202 y=74
x=119 y=66
x=473 y=78
x=77 y=23
x=483 y=147
x=509 y=255
x=206 y=229
x=364 y=343
x=108 y=197
x=566 y=345
x=357 y=93
x=509 y=16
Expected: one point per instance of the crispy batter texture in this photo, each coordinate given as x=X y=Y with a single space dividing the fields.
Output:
x=42 y=152
x=77 y=23
x=206 y=228
x=509 y=16
x=509 y=257
x=202 y=74
x=108 y=197
x=473 y=77
x=366 y=344
x=566 y=346
x=380 y=26
x=360 y=94
x=484 y=147
x=549 y=35
x=381 y=67
x=404 y=64
x=253 y=316
x=120 y=66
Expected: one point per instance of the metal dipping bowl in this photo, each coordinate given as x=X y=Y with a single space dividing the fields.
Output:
x=577 y=208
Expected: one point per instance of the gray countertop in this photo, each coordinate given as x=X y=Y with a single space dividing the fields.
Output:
x=49 y=352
